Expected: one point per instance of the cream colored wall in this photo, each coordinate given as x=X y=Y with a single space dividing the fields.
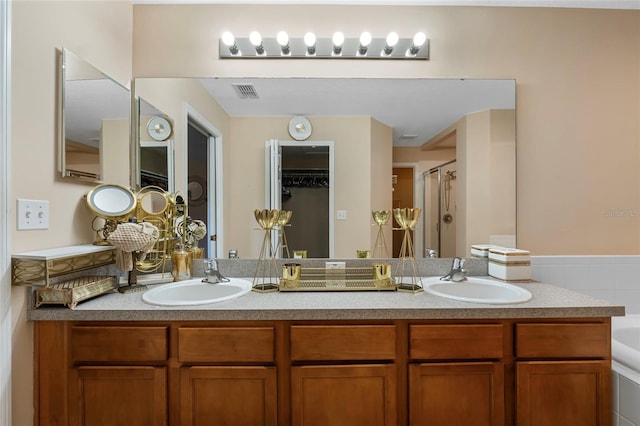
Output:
x=114 y=148
x=352 y=145
x=101 y=33
x=381 y=181
x=485 y=186
x=577 y=74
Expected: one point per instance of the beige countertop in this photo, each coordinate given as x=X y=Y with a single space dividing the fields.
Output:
x=548 y=301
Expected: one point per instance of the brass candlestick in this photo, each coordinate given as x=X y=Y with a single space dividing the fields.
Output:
x=283 y=220
x=265 y=279
x=381 y=218
x=407 y=219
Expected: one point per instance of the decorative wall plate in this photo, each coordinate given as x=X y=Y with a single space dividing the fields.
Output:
x=300 y=128
x=159 y=128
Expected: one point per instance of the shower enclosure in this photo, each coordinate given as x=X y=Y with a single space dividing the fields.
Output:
x=440 y=211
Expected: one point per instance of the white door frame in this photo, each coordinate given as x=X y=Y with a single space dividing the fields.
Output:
x=214 y=178
x=272 y=198
x=5 y=212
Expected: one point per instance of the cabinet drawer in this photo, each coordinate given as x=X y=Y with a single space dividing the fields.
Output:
x=118 y=344
x=460 y=341
x=563 y=340
x=226 y=344
x=351 y=342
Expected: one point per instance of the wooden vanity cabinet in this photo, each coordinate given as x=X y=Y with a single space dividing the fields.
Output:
x=343 y=375
x=530 y=372
x=117 y=375
x=227 y=374
x=456 y=374
x=563 y=374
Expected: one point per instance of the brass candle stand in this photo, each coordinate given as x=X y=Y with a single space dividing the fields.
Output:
x=283 y=220
x=381 y=218
x=407 y=219
x=266 y=276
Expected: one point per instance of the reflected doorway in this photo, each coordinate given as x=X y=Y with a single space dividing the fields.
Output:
x=440 y=218
x=301 y=181
x=201 y=188
x=402 y=198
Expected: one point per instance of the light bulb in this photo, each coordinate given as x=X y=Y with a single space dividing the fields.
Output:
x=310 y=39
x=283 y=38
x=419 y=39
x=337 y=39
x=392 y=39
x=365 y=39
x=228 y=39
x=255 y=38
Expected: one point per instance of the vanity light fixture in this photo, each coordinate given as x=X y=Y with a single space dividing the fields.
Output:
x=256 y=39
x=338 y=41
x=391 y=41
x=365 y=40
x=283 y=40
x=310 y=42
x=336 y=46
x=230 y=41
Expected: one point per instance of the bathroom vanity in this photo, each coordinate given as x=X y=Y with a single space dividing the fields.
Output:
x=355 y=358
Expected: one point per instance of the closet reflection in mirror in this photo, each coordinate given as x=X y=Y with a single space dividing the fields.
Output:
x=94 y=121
x=155 y=148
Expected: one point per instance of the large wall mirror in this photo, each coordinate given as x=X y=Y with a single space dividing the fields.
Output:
x=432 y=122
x=93 y=119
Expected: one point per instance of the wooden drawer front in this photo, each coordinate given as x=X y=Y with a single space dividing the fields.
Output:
x=351 y=342
x=119 y=344
x=226 y=344
x=563 y=341
x=464 y=341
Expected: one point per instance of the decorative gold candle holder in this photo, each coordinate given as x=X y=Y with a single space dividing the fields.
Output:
x=381 y=218
x=266 y=277
x=283 y=220
x=407 y=219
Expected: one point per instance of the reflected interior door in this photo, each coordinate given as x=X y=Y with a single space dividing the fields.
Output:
x=402 y=198
x=299 y=179
x=201 y=198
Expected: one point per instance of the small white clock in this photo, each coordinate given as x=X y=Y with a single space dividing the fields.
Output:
x=159 y=128
x=300 y=128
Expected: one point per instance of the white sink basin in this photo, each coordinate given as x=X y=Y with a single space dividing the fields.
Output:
x=477 y=290
x=195 y=292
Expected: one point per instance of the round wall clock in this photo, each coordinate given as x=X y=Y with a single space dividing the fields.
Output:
x=159 y=128
x=299 y=128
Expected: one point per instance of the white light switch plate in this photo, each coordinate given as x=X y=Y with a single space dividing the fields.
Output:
x=342 y=215
x=33 y=214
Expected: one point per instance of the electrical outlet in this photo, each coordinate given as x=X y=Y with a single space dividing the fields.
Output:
x=33 y=214
x=335 y=265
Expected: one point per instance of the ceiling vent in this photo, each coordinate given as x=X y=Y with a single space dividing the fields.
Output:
x=245 y=91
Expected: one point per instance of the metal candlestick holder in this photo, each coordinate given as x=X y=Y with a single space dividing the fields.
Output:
x=407 y=219
x=283 y=220
x=381 y=218
x=266 y=277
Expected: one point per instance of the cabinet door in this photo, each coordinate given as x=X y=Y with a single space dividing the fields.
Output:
x=450 y=394
x=343 y=395
x=563 y=393
x=229 y=396
x=117 y=396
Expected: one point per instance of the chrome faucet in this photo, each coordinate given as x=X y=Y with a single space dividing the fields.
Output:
x=212 y=273
x=457 y=272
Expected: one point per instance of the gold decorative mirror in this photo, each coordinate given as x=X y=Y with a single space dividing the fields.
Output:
x=110 y=203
